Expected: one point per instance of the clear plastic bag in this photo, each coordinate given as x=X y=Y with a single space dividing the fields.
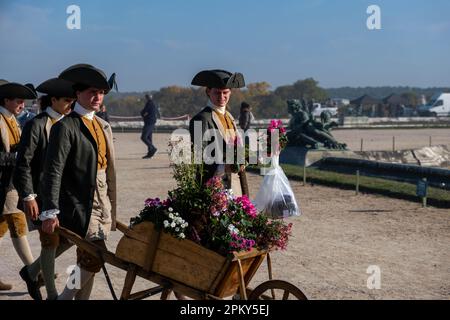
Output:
x=275 y=197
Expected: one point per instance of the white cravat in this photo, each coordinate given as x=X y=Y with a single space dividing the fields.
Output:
x=221 y=110
x=53 y=114
x=89 y=114
x=6 y=112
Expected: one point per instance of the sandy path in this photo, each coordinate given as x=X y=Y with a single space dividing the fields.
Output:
x=336 y=239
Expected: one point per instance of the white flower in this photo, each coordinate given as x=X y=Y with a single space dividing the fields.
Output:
x=166 y=223
x=182 y=236
x=170 y=216
x=173 y=225
x=170 y=209
x=233 y=229
x=177 y=229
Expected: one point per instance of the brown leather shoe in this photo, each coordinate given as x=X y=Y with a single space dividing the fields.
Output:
x=5 y=286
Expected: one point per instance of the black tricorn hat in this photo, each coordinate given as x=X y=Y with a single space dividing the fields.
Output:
x=219 y=79
x=13 y=90
x=88 y=75
x=57 y=87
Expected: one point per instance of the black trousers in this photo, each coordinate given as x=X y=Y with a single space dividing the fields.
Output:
x=147 y=136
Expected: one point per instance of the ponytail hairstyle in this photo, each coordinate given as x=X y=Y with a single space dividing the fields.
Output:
x=45 y=102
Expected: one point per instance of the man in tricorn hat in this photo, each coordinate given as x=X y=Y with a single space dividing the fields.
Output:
x=29 y=172
x=79 y=176
x=216 y=117
x=12 y=101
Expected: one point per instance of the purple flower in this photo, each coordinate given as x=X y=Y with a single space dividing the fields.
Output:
x=153 y=202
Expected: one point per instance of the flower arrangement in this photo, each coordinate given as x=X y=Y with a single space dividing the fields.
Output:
x=212 y=216
x=276 y=126
x=162 y=215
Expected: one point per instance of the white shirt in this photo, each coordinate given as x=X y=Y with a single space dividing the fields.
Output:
x=89 y=114
x=219 y=109
x=53 y=114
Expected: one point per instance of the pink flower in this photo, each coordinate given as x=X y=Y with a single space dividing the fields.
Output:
x=215 y=183
x=247 y=206
x=220 y=203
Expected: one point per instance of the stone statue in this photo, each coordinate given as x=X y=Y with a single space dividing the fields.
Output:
x=305 y=131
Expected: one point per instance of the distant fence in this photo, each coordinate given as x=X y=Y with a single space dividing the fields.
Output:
x=164 y=124
x=436 y=177
x=401 y=122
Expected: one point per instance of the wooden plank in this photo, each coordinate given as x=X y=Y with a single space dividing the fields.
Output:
x=219 y=278
x=231 y=280
x=190 y=250
x=142 y=232
x=184 y=270
x=132 y=250
x=242 y=285
x=151 y=251
x=241 y=255
x=253 y=268
x=129 y=282
x=172 y=284
x=122 y=227
x=146 y=293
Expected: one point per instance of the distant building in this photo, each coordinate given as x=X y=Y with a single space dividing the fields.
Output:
x=339 y=102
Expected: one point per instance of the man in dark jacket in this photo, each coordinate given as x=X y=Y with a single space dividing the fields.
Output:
x=245 y=117
x=150 y=114
x=29 y=173
x=103 y=113
x=216 y=118
x=12 y=98
x=79 y=175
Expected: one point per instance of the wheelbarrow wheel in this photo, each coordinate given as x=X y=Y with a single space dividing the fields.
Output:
x=274 y=286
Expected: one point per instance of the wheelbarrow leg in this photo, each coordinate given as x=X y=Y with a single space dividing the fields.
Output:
x=129 y=282
x=242 y=285
x=165 y=295
x=269 y=268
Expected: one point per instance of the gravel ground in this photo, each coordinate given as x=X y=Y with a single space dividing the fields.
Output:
x=334 y=242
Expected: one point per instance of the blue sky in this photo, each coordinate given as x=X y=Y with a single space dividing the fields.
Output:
x=151 y=44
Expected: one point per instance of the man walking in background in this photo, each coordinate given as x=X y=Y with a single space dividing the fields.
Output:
x=150 y=114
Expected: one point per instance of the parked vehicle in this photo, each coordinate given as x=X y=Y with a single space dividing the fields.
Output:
x=318 y=109
x=439 y=106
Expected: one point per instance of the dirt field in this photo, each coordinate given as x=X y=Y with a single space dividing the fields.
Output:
x=381 y=140
x=337 y=238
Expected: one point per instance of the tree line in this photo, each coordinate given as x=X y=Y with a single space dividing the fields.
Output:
x=175 y=101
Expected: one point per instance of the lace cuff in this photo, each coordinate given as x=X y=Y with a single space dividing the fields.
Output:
x=49 y=214
x=30 y=197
